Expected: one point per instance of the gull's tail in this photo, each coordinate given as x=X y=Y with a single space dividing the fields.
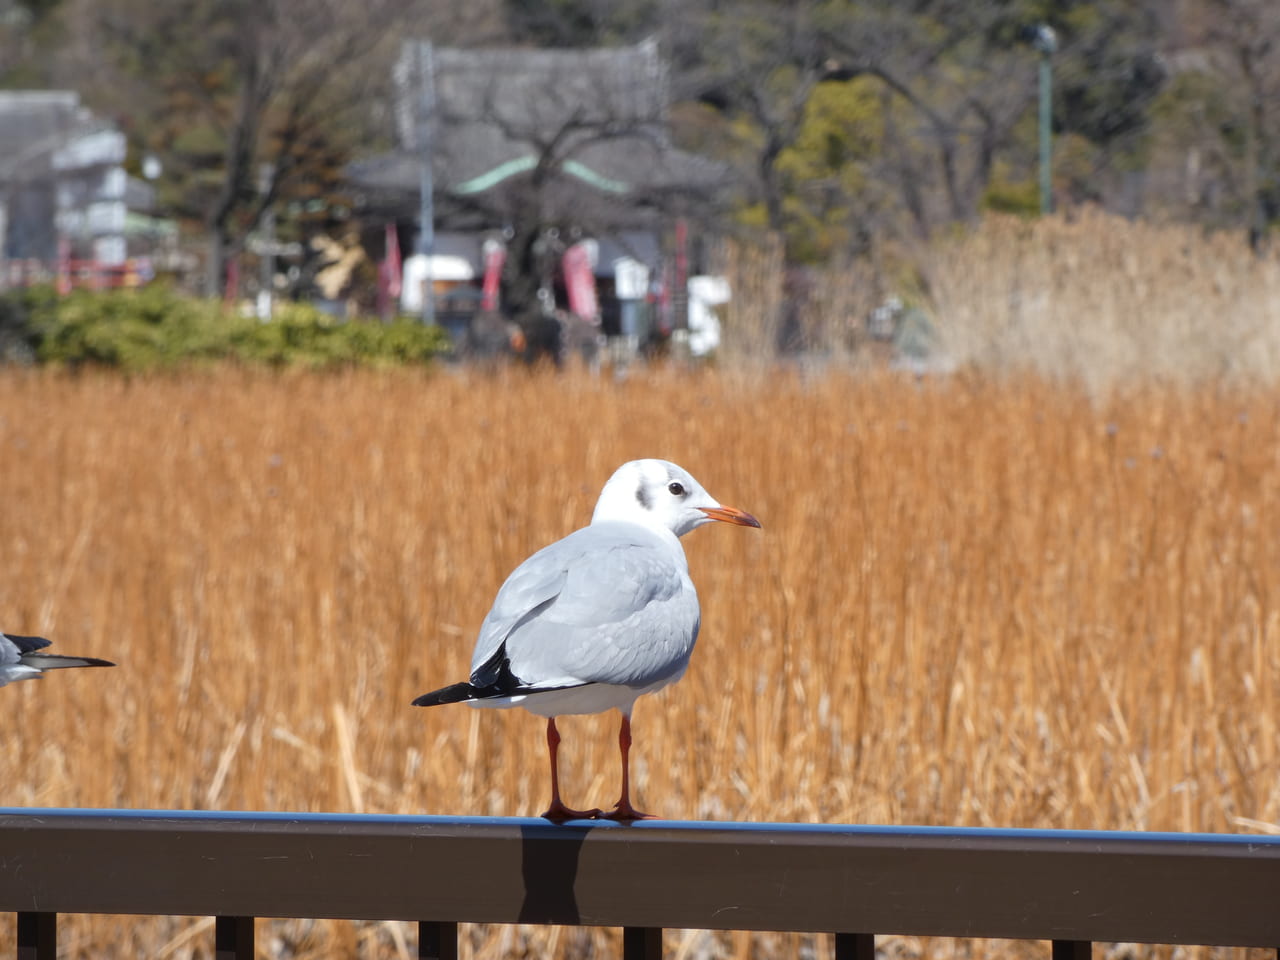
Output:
x=493 y=681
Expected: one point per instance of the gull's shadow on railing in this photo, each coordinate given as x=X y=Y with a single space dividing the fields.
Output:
x=549 y=865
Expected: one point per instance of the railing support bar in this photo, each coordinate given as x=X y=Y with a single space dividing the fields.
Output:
x=641 y=943
x=857 y=946
x=233 y=938
x=1072 y=950
x=437 y=940
x=37 y=936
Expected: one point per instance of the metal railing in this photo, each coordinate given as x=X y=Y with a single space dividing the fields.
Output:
x=68 y=275
x=1070 y=887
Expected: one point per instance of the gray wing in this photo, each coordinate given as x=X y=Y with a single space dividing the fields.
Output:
x=610 y=603
x=9 y=652
x=23 y=657
x=12 y=651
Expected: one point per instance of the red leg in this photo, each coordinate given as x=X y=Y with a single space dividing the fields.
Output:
x=557 y=810
x=624 y=810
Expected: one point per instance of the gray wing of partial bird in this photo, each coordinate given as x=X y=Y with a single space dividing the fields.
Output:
x=610 y=603
x=23 y=657
x=9 y=652
x=13 y=653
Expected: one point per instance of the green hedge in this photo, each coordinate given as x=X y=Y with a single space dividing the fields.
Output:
x=155 y=327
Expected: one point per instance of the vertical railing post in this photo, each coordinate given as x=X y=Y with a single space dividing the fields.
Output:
x=437 y=940
x=233 y=938
x=855 y=946
x=37 y=936
x=641 y=943
x=1072 y=950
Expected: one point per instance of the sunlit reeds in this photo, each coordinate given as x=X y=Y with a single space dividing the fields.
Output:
x=1101 y=299
x=990 y=603
x=1085 y=297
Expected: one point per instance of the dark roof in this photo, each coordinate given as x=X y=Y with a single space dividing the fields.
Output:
x=524 y=94
x=595 y=120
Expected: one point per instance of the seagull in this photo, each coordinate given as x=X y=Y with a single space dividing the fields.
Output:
x=21 y=659
x=596 y=620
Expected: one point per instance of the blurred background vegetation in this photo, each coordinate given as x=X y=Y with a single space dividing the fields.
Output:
x=847 y=125
x=856 y=135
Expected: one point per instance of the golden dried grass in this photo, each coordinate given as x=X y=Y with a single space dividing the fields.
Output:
x=972 y=603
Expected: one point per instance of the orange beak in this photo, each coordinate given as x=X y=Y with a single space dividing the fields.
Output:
x=731 y=515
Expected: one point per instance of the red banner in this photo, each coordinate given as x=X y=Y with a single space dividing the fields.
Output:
x=495 y=257
x=580 y=282
x=390 y=275
x=391 y=263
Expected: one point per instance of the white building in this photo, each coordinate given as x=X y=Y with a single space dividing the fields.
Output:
x=64 y=192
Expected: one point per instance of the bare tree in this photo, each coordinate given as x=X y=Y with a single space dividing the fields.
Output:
x=958 y=85
x=1246 y=35
x=247 y=103
x=1215 y=153
x=763 y=59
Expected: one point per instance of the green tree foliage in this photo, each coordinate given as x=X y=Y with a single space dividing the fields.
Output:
x=824 y=173
x=957 y=85
x=757 y=63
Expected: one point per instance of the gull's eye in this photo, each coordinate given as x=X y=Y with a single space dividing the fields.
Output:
x=675 y=488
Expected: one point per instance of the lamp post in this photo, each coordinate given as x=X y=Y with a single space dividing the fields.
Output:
x=1046 y=41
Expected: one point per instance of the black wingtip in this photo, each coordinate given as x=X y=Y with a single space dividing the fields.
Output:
x=28 y=644
x=454 y=693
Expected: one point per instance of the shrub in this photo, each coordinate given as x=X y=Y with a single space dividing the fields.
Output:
x=134 y=329
x=156 y=327
x=301 y=335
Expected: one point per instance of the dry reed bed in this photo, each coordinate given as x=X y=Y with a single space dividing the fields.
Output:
x=1085 y=297
x=971 y=603
x=1102 y=299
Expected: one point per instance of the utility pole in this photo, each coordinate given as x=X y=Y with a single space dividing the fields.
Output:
x=1046 y=41
x=426 y=214
x=267 y=258
x=678 y=296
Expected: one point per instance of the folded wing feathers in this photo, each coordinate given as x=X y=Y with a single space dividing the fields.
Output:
x=557 y=620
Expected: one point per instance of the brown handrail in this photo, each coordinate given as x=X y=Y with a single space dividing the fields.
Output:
x=1071 y=887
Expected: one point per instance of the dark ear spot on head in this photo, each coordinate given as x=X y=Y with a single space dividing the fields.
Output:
x=642 y=497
